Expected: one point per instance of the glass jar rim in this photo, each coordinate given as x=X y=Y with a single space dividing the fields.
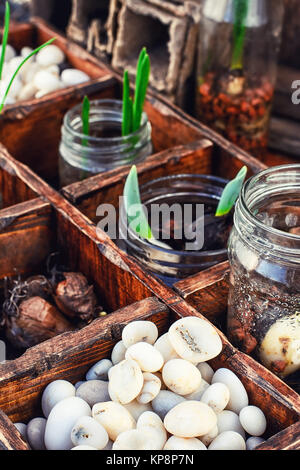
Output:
x=109 y=104
x=146 y=243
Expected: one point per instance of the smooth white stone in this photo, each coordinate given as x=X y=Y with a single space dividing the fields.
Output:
x=181 y=377
x=137 y=409
x=165 y=401
x=138 y=331
x=54 y=393
x=50 y=55
x=230 y=421
x=253 y=442
x=88 y=431
x=15 y=88
x=207 y=372
x=118 y=353
x=197 y=394
x=14 y=64
x=216 y=396
x=54 y=69
x=195 y=340
x=125 y=381
x=61 y=422
x=209 y=437
x=228 y=440
x=28 y=74
x=114 y=417
x=99 y=370
x=166 y=349
x=253 y=421
x=27 y=92
x=46 y=81
x=77 y=385
x=148 y=358
x=152 y=421
x=238 y=395
x=151 y=388
x=10 y=52
x=190 y=419
x=25 y=51
x=36 y=433
x=22 y=428
x=138 y=439
x=181 y=443
x=72 y=77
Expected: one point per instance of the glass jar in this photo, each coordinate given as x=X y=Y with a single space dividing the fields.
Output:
x=170 y=262
x=105 y=148
x=264 y=254
x=239 y=44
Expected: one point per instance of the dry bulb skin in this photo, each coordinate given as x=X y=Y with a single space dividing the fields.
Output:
x=41 y=307
x=126 y=404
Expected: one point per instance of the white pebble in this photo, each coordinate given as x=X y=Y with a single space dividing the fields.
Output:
x=210 y=436
x=148 y=358
x=207 y=372
x=165 y=401
x=151 y=388
x=198 y=393
x=84 y=448
x=137 y=409
x=88 y=431
x=181 y=376
x=61 y=421
x=50 y=55
x=22 y=428
x=166 y=349
x=15 y=88
x=253 y=442
x=36 y=433
x=229 y=421
x=72 y=77
x=54 y=69
x=26 y=51
x=216 y=396
x=181 y=443
x=99 y=371
x=27 y=92
x=190 y=419
x=114 y=417
x=125 y=381
x=29 y=72
x=14 y=64
x=77 y=385
x=228 y=440
x=195 y=340
x=138 y=331
x=54 y=393
x=10 y=52
x=152 y=421
x=118 y=353
x=238 y=395
x=46 y=81
x=253 y=421
x=93 y=391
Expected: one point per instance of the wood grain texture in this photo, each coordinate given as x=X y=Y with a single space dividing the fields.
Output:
x=288 y=439
x=10 y=438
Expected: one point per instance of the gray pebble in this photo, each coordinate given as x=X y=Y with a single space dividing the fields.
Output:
x=36 y=432
x=165 y=401
x=77 y=385
x=99 y=370
x=21 y=427
x=93 y=391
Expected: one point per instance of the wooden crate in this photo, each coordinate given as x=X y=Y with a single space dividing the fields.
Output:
x=70 y=355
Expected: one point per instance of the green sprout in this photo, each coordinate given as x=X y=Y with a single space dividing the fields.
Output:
x=231 y=193
x=133 y=109
x=239 y=32
x=4 y=44
x=85 y=115
x=133 y=206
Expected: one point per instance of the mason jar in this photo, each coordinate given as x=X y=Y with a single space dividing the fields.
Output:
x=264 y=254
x=171 y=261
x=104 y=149
x=239 y=41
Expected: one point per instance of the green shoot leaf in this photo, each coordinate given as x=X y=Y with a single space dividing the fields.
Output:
x=231 y=193
x=85 y=119
x=142 y=81
x=239 y=32
x=5 y=37
x=133 y=206
x=19 y=68
x=127 y=106
x=133 y=109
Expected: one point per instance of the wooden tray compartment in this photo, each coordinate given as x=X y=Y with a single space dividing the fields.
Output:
x=70 y=355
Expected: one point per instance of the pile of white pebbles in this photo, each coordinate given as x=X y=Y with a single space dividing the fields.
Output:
x=154 y=394
x=39 y=76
